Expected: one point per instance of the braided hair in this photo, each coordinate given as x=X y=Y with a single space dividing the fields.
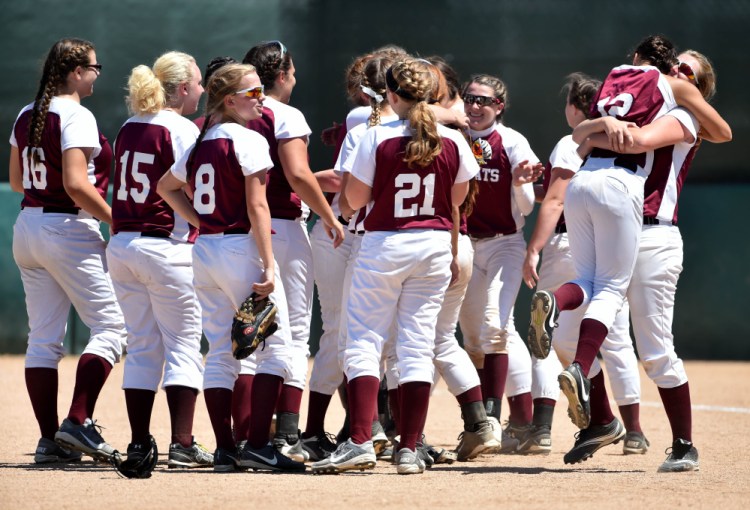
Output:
x=62 y=59
x=270 y=60
x=580 y=91
x=412 y=81
x=373 y=79
x=658 y=51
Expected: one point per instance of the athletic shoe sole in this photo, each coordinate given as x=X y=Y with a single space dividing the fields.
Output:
x=71 y=443
x=334 y=470
x=542 y=324
x=597 y=443
x=569 y=386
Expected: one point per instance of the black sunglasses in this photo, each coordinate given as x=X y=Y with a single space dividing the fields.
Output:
x=480 y=100
x=98 y=67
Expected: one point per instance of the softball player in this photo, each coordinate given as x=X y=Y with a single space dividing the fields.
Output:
x=659 y=260
x=412 y=191
x=150 y=257
x=604 y=214
x=291 y=188
x=373 y=82
x=330 y=267
x=505 y=196
x=557 y=268
x=226 y=170
x=60 y=252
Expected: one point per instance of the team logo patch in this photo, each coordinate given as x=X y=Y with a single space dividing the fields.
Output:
x=482 y=150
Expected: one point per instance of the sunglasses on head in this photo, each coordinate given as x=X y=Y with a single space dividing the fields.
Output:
x=480 y=100
x=281 y=46
x=685 y=69
x=252 y=92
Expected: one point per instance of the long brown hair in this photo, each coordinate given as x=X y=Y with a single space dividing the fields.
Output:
x=64 y=56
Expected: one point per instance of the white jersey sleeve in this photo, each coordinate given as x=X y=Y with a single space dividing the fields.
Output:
x=252 y=150
x=179 y=169
x=357 y=116
x=686 y=119
x=565 y=155
x=353 y=136
x=361 y=162
x=77 y=126
x=289 y=122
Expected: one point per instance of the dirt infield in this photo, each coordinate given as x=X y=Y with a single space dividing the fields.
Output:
x=721 y=420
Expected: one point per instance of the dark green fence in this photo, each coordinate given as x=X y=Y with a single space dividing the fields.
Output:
x=532 y=45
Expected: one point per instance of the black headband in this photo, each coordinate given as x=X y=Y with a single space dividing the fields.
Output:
x=394 y=87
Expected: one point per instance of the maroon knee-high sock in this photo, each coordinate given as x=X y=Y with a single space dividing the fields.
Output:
x=631 y=417
x=181 y=402
x=139 y=403
x=480 y=373
x=569 y=297
x=290 y=399
x=266 y=390
x=363 y=400
x=495 y=373
x=415 y=399
x=601 y=412
x=471 y=395
x=394 y=404
x=590 y=340
x=241 y=404
x=91 y=374
x=316 y=414
x=521 y=409
x=677 y=405
x=41 y=383
x=219 y=406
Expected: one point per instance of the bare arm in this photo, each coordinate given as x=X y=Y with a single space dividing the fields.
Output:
x=549 y=214
x=329 y=181
x=615 y=129
x=260 y=219
x=455 y=267
x=663 y=132
x=447 y=116
x=15 y=173
x=713 y=126
x=358 y=194
x=344 y=207
x=79 y=188
x=293 y=157
x=170 y=189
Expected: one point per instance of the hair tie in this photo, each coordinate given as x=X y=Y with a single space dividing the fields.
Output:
x=367 y=90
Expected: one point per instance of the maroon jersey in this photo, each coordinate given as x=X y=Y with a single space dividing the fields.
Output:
x=637 y=94
x=404 y=197
x=495 y=210
x=68 y=125
x=145 y=148
x=671 y=164
x=227 y=154
x=279 y=122
x=103 y=167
